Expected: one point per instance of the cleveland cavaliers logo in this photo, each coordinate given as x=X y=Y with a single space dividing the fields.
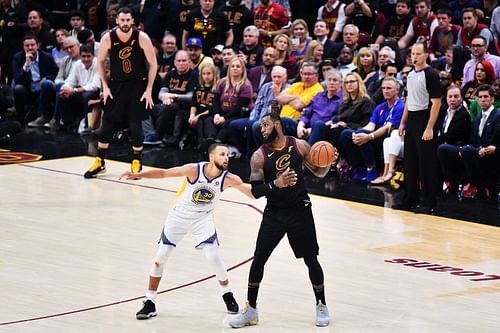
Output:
x=282 y=163
x=203 y=195
x=124 y=56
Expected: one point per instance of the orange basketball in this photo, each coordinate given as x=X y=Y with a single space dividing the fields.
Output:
x=322 y=154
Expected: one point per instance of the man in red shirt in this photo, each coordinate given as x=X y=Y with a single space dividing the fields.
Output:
x=271 y=19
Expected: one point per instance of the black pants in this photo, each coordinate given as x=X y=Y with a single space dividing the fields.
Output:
x=420 y=161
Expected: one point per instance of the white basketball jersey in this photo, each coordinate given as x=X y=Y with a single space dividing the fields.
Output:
x=202 y=194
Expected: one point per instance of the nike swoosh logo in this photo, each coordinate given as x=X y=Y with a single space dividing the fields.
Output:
x=271 y=154
x=116 y=43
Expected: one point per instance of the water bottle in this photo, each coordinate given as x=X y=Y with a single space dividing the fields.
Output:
x=460 y=192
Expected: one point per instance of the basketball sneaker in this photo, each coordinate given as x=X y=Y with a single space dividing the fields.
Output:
x=231 y=305
x=148 y=310
x=247 y=317
x=136 y=166
x=322 y=315
x=96 y=169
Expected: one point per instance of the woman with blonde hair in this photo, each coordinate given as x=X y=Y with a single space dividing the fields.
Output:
x=354 y=112
x=314 y=52
x=233 y=99
x=366 y=64
x=300 y=39
x=281 y=43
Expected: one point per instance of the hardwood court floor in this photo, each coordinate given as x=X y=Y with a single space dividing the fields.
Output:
x=75 y=255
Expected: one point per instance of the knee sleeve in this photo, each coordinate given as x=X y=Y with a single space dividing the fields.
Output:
x=160 y=260
x=106 y=132
x=315 y=270
x=213 y=256
x=136 y=133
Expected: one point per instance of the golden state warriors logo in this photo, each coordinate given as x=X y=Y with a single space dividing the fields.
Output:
x=203 y=195
x=124 y=56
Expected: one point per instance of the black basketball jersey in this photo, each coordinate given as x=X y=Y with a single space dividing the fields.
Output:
x=275 y=163
x=127 y=58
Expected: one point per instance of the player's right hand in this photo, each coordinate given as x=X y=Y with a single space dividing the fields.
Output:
x=105 y=94
x=287 y=178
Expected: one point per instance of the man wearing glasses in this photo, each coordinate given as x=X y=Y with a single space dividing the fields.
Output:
x=479 y=52
x=298 y=96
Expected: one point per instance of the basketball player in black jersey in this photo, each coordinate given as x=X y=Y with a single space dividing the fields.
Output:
x=276 y=172
x=127 y=95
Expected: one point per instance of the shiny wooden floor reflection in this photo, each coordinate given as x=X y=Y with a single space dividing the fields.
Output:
x=75 y=255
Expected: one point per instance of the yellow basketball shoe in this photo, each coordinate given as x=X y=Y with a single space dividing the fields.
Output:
x=96 y=168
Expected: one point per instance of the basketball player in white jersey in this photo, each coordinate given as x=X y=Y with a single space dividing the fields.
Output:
x=192 y=211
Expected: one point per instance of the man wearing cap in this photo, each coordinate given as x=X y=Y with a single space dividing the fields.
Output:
x=194 y=49
x=209 y=25
x=216 y=54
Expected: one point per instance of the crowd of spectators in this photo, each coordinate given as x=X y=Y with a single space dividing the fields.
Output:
x=335 y=70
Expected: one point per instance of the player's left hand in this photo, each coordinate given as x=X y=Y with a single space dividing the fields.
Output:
x=147 y=97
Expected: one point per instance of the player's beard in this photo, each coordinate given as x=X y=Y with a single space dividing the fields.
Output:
x=125 y=28
x=220 y=166
x=273 y=135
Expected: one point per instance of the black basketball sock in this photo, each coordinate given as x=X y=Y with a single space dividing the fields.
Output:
x=101 y=153
x=253 y=291
x=319 y=293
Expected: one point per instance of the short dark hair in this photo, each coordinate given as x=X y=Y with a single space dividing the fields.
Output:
x=486 y=87
x=77 y=13
x=407 y=2
x=445 y=11
x=84 y=35
x=480 y=37
x=213 y=146
x=30 y=35
x=469 y=10
x=388 y=64
x=124 y=10
x=87 y=48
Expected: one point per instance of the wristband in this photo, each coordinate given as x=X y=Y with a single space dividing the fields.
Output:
x=373 y=136
x=269 y=34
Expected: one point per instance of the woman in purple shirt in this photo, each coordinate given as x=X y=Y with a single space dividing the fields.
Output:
x=233 y=98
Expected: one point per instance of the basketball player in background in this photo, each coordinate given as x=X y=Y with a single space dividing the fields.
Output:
x=127 y=95
x=276 y=172
x=203 y=184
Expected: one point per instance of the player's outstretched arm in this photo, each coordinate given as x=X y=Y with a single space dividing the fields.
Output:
x=235 y=181
x=305 y=150
x=186 y=170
